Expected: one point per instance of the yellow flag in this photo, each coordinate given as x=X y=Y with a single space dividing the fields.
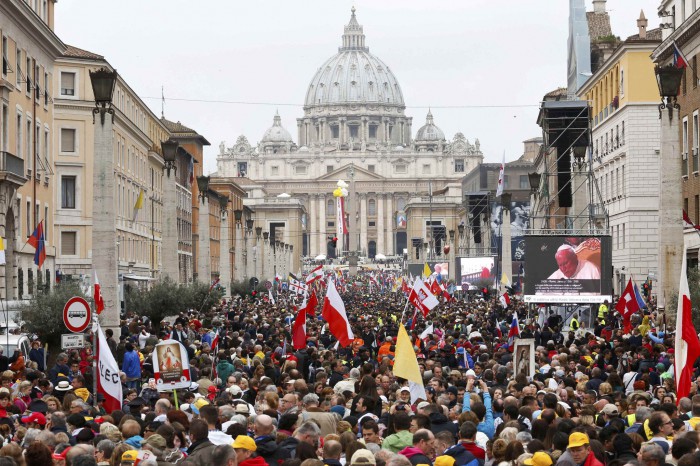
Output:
x=2 y=250
x=139 y=205
x=504 y=279
x=426 y=271
x=406 y=365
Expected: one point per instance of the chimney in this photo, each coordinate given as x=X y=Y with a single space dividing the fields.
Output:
x=642 y=25
x=599 y=6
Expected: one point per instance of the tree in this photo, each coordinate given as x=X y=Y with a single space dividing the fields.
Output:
x=43 y=315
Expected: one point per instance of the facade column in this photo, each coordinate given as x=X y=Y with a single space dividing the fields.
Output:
x=203 y=245
x=506 y=257
x=171 y=267
x=104 y=227
x=313 y=226
x=671 y=247
x=342 y=127
x=265 y=251
x=238 y=265
x=322 y=224
x=250 y=255
x=225 y=255
x=390 y=224
x=380 y=224
x=363 y=224
x=259 y=256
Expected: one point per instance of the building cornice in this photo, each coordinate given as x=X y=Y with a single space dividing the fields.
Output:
x=615 y=58
x=683 y=33
x=27 y=20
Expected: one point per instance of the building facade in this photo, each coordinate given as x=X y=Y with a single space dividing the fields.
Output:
x=625 y=139
x=27 y=139
x=354 y=128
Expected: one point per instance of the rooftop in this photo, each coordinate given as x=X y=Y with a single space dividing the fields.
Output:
x=75 y=52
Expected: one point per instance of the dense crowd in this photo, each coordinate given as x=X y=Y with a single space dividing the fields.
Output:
x=597 y=397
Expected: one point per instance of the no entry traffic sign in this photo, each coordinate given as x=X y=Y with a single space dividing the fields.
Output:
x=76 y=314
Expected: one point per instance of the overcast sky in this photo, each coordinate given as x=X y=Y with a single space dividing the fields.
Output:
x=493 y=58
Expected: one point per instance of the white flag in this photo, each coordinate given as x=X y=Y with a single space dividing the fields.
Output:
x=108 y=382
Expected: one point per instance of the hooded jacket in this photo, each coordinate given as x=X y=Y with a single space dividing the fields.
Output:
x=268 y=450
x=461 y=455
x=224 y=369
x=415 y=456
x=440 y=423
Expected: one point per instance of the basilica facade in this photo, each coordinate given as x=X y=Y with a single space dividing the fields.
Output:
x=354 y=127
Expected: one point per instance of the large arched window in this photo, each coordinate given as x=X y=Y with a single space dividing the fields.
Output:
x=330 y=207
x=401 y=204
x=371 y=207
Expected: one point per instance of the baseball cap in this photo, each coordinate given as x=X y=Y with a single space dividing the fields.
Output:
x=365 y=454
x=155 y=440
x=37 y=417
x=245 y=442
x=578 y=439
x=444 y=460
x=540 y=458
x=422 y=405
x=470 y=373
x=242 y=408
x=198 y=404
x=235 y=390
x=610 y=410
x=405 y=389
x=130 y=455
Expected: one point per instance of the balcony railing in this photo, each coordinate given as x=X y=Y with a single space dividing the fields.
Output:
x=10 y=163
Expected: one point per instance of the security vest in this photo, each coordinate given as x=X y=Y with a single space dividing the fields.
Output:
x=574 y=325
x=602 y=310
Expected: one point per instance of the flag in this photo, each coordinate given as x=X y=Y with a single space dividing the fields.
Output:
x=514 y=327
x=139 y=205
x=406 y=365
x=499 y=189
x=299 y=330
x=421 y=297
x=269 y=293
x=640 y=300
x=215 y=342
x=314 y=275
x=334 y=313
x=428 y=331
x=435 y=288
x=213 y=284
x=686 y=345
x=505 y=280
x=627 y=305
x=2 y=250
x=505 y=300
x=311 y=304
x=687 y=220
x=426 y=271
x=37 y=240
x=679 y=60
x=190 y=170
x=97 y=294
x=108 y=382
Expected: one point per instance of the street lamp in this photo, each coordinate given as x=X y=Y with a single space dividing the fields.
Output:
x=249 y=224
x=203 y=185
x=452 y=236
x=223 y=203
x=535 y=180
x=169 y=149
x=238 y=215
x=258 y=232
x=103 y=83
x=266 y=235
x=668 y=78
x=460 y=229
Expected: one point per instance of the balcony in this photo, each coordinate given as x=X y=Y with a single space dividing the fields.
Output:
x=12 y=169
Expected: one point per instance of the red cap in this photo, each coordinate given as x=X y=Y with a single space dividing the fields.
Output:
x=670 y=351
x=212 y=389
x=37 y=417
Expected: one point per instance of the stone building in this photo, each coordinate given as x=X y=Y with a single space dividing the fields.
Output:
x=354 y=127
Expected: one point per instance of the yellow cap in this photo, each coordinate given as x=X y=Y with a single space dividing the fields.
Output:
x=245 y=442
x=540 y=458
x=130 y=455
x=578 y=439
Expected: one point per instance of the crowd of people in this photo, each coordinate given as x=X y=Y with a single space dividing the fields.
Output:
x=595 y=396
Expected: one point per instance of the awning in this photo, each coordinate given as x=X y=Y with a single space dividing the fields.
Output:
x=138 y=278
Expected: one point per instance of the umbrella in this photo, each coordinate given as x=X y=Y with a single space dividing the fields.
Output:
x=320 y=257
x=380 y=257
x=284 y=195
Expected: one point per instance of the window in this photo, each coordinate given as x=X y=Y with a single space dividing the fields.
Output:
x=335 y=131
x=46 y=222
x=331 y=224
x=371 y=207
x=696 y=141
x=623 y=181
x=329 y=168
x=459 y=165
x=5 y=130
x=426 y=169
x=372 y=224
x=29 y=218
x=354 y=131
x=67 y=140
x=67 y=83
x=370 y=168
x=68 y=243
x=696 y=218
x=330 y=207
x=400 y=168
x=401 y=204
x=5 y=61
x=19 y=136
x=242 y=168
x=300 y=169
x=684 y=150
x=373 y=131
x=18 y=64
x=274 y=170
x=68 y=192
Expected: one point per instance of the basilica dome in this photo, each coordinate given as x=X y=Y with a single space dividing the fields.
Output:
x=354 y=75
x=429 y=131
x=276 y=133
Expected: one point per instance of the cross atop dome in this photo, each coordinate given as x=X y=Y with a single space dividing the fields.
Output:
x=353 y=37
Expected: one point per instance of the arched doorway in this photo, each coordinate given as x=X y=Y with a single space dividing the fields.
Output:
x=330 y=250
x=372 y=249
x=401 y=242
x=10 y=291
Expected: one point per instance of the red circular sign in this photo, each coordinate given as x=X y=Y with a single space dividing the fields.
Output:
x=77 y=314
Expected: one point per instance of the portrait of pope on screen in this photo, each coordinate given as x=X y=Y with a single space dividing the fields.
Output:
x=571 y=267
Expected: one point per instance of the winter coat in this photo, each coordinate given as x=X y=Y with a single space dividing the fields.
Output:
x=462 y=456
x=398 y=441
x=268 y=449
x=254 y=461
x=440 y=423
x=224 y=369
x=200 y=454
x=131 y=365
x=415 y=456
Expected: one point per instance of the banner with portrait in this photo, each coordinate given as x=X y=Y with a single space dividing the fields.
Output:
x=524 y=357
x=171 y=366
x=568 y=269
x=519 y=223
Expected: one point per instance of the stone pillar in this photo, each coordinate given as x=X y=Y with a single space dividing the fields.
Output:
x=506 y=254
x=225 y=255
x=239 y=271
x=389 y=226
x=579 y=209
x=380 y=224
x=322 y=224
x=671 y=246
x=203 y=245
x=312 y=232
x=104 y=227
x=250 y=255
x=363 y=224
x=171 y=267
x=259 y=258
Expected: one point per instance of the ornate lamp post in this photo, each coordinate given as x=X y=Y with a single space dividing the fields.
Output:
x=670 y=189
x=104 y=225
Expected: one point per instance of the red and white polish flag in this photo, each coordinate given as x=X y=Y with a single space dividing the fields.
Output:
x=108 y=382
x=334 y=313
x=687 y=345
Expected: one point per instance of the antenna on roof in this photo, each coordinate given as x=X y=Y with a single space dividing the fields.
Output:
x=162 y=102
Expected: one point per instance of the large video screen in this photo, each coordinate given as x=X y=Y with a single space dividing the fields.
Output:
x=568 y=269
x=519 y=223
x=476 y=271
